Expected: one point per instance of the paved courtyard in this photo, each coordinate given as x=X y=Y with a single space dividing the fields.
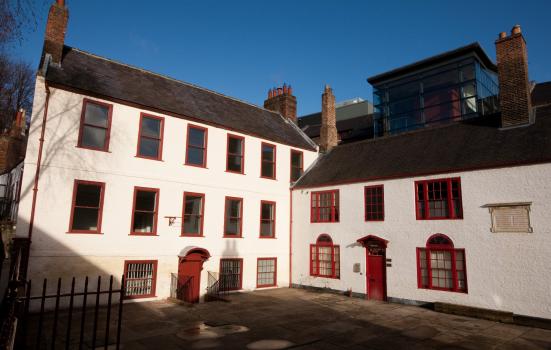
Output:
x=298 y=319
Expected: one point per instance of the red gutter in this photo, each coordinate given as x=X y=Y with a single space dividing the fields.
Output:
x=291 y=239
x=38 y=162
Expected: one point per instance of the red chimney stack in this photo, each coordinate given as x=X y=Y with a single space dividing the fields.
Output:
x=281 y=100
x=55 y=31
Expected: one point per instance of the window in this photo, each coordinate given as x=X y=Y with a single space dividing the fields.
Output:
x=438 y=199
x=325 y=206
x=95 y=125
x=440 y=266
x=374 y=203
x=140 y=278
x=268 y=166
x=235 y=161
x=144 y=212
x=231 y=274
x=510 y=217
x=87 y=207
x=266 y=272
x=297 y=167
x=150 y=139
x=233 y=217
x=196 y=150
x=267 y=219
x=324 y=258
x=194 y=209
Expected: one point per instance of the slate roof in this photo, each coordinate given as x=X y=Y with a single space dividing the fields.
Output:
x=541 y=95
x=360 y=127
x=98 y=76
x=460 y=146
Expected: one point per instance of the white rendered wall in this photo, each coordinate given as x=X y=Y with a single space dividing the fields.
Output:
x=505 y=271
x=56 y=253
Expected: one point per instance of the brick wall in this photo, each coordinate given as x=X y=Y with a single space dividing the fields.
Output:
x=328 y=132
x=514 y=86
x=55 y=30
x=282 y=100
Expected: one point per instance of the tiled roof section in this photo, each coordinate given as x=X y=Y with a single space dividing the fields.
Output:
x=427 y=62
x=354 y=128
x=99 y=76
x=455 y=147
x=541 y=95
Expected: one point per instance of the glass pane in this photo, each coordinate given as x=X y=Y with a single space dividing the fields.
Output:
x=196 y=137
x=145 y=200
x=96 y=115
x=192 y=224
x=85 y=219
x=295 y=174
x=232 y=226
x=267 y=153
x=266 y=229
x=151 y=127
x=267 y=211
x=195 y=156
x=88 y=195
x=233 y=208
x=267 y=169
x=149 y=147
x=143 y=222
x=296 y=159
x=193 y=205
x=235 y=146
x=234 y=163
x=93 y=137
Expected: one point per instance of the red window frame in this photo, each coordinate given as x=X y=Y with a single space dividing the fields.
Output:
x=315 y=211
x=242 y=155
x=376 y=203
x=300 y=168
x=263 y=161
x=201 y=215
x=240 y=260
x=324 y=241
x=160 y=139
x=441 y=243
x=153 y=278
x=272 y=221
x=100 y=208
x=422 y=209
x=85 y=102
x=204 y=148
x=155 y=213
x=258 y=273
x=240 y=217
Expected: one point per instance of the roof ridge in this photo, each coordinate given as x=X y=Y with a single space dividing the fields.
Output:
x=170 y=78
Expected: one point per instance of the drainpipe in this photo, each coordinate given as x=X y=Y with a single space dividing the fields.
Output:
x=291 y=239
x=37 y=173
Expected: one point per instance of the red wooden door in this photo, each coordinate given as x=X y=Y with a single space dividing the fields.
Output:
x=189 y=277
x=375 y=277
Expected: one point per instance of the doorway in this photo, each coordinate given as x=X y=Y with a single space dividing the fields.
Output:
x=375 y=249
x=189 y=275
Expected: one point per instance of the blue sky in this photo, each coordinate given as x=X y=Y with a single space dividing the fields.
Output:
x=242 y=48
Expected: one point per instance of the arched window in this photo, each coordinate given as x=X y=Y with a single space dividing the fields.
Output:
x=324 y=258
x=441 y=266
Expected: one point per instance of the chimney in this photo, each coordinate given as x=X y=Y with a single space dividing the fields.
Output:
x=328 y=133
x=55 y=30
x=18 y=127
x=281 y=100
x=514 y=86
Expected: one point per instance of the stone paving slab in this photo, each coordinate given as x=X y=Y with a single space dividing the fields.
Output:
x=299 y=319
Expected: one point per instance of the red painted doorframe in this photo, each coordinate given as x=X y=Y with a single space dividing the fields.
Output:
x=374 y=246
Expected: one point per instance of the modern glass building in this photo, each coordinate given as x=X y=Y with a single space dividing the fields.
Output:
x=457 y=85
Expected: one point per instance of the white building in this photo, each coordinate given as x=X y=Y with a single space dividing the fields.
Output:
x=143 y=175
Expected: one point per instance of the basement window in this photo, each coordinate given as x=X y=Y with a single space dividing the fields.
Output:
x=140 y=278
x=510 y=217
x=231 y=274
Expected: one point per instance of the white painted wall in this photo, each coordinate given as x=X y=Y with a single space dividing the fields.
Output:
x=505 y=271
x=56 y=253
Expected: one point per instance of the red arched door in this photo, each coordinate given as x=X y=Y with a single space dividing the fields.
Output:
x=189 y=276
